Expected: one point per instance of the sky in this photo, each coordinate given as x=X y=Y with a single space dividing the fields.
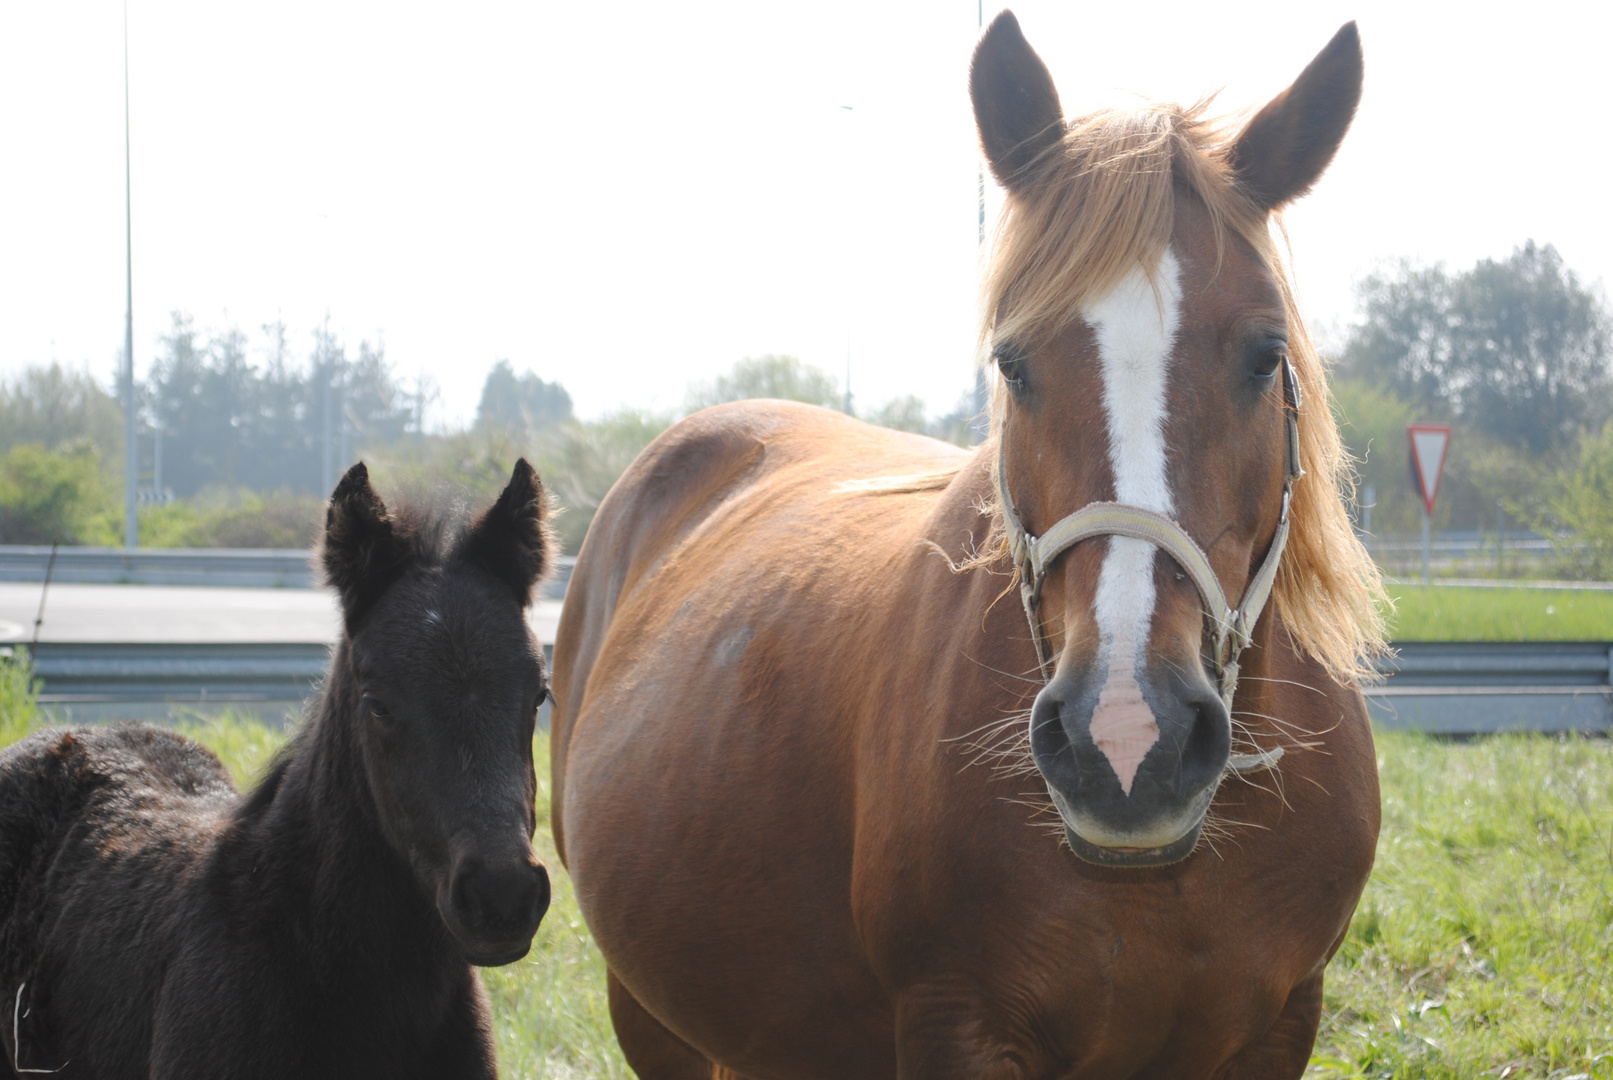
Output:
x=630 y=197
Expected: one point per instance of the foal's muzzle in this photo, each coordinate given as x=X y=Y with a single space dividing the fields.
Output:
x=494 y=906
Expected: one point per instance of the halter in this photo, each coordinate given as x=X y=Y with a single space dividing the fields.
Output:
x=1232 y=628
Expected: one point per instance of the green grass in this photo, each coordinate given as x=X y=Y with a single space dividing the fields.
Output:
x=1484 y=941
x=1466 y=613
x=1485 y=938
x=19 y=705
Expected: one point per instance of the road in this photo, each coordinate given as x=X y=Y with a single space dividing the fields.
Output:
x=180 y=614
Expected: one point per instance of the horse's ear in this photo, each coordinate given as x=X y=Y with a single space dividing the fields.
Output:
x=512 y=540
x=1016 y=104
x=1289 y=143
x=362 y=553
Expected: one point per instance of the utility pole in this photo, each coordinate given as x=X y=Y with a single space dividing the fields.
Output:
x=981 y=425
x=131 y=443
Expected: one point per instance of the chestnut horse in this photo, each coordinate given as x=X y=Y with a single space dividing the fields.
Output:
x=877 y=758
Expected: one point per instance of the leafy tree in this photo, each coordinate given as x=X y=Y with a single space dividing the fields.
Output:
x=226 y=422
x=1372 y=422
x=1583 y=507
x=1517 y=349
x=905 y=413
x=376 y=407
x=521 y=403
x=59 y=496
x=53 y=405
x=768 y=376
x=584 y=459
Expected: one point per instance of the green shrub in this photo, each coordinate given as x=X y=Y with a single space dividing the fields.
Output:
x=60 y=496
x=233 y=518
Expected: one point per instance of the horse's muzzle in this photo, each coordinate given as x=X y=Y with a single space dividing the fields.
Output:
x=1153 y=816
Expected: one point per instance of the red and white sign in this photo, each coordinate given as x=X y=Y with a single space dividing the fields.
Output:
x=1429 y=442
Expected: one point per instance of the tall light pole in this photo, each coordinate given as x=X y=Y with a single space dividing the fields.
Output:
x=131 y=444
x=980 y=425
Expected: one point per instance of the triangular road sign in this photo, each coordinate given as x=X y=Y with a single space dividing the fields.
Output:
x=1429 y=442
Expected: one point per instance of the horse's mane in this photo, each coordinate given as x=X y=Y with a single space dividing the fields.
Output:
x=1102 y=202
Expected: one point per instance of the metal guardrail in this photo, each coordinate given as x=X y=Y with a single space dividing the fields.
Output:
x=1452 y=688
x=247 y=568
x=1466 y=688
x=93 y=681
x=84 y=672
x=240 y=567
x=1445 y=687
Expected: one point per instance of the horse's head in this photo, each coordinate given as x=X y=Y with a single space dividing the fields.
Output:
x=443 y=682
x=1147 y=345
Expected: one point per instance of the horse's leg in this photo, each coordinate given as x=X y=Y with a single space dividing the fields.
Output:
x=653 y=1051
x=1284 y=1050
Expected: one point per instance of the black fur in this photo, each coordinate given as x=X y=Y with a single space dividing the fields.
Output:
x=158 y=924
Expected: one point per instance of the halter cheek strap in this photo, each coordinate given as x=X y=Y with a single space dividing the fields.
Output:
x=1231 y=628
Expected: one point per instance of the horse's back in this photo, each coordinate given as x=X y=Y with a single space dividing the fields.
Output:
x=89 y=819
x=120 y=774
x=736 y=491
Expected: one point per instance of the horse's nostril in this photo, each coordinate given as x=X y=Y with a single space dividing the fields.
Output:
x=1209 y=741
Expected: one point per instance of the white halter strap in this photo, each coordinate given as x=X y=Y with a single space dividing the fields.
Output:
x=1231 y=628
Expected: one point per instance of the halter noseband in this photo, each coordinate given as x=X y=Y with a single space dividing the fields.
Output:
x=1233 y=628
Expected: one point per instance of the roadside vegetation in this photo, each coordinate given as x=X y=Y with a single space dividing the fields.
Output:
x=241 y=452
x=1466 y=613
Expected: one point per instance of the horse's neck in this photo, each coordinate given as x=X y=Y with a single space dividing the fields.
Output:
x=314 y=842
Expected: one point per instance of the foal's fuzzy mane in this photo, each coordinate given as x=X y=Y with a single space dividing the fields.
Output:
x=1102 y=202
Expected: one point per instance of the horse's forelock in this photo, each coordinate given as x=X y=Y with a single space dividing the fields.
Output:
x=1103 y=207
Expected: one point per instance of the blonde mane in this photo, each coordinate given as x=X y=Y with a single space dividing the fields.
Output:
x=1102 y=202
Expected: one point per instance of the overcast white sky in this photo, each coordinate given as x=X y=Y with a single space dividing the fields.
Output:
x=627 y=197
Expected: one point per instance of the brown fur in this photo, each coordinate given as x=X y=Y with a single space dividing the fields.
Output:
x=790 y=773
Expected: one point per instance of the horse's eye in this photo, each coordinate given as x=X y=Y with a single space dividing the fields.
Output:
x=1269 y=359
x=373 y=706
x=1011 y=365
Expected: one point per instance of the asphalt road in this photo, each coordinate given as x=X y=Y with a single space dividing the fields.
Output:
x=176 y=614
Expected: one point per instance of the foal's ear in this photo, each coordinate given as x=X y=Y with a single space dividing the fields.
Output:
x=1289 y=143
x=362 y=553
x=1016 y=104
x=512 y=540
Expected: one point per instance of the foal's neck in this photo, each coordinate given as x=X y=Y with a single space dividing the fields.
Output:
x=314 y=821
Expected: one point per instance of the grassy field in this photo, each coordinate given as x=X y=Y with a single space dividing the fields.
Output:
x=1483 y=945
x=1465 y=613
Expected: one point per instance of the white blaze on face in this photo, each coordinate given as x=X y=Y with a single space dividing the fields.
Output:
x=1135 y=326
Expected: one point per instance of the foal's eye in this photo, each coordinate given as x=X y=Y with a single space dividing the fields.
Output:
x=1011 y=365
x=374 y=708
